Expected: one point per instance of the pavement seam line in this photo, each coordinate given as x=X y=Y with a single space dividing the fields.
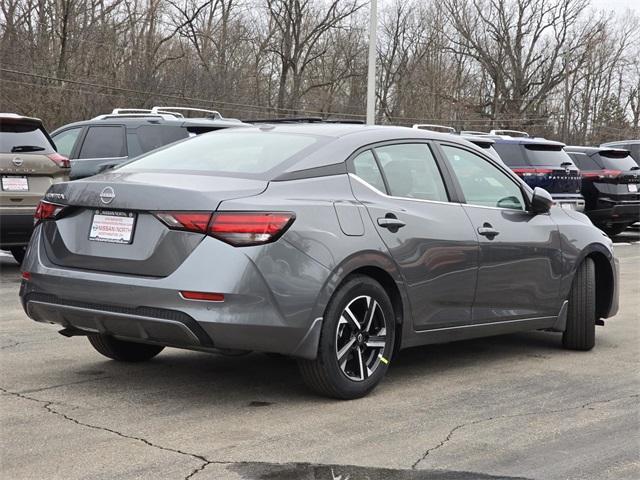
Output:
x=500 y=417
x=48 y=405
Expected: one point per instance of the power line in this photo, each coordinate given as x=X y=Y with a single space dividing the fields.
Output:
x=261 y=108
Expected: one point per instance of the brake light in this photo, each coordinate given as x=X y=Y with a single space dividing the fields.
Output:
x=47 y=210
x=527 y=172
x=602 y=174
x=26 y=276
x=60 y=160
x=249 y=228
x=239 y=229
x=190 y=221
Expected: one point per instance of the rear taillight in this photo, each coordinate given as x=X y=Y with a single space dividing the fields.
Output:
x=602 y=174
x=236 y=228
x=190 y=221
x=60 y=160
x=249 y=228
x=528 y=172
x=47 y=211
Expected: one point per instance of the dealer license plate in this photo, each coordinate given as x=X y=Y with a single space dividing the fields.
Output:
x=112 y=226
x=15 y=184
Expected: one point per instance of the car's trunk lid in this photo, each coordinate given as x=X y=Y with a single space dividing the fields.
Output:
x=149 y=247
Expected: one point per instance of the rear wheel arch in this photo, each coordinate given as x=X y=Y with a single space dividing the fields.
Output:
x=391 y=287
x=381 y=269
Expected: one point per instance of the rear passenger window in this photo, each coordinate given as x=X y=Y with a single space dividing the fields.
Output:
x=365 y=167
x=411 y=171
x=104 y=142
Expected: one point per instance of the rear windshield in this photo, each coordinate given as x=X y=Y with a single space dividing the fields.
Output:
x=511 y=153
x=584 y=161
x=23 y=138
x=251 y=154
x=547 y=155
x=617 y=161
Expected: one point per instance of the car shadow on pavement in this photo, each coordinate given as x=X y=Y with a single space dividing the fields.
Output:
x=258 y=380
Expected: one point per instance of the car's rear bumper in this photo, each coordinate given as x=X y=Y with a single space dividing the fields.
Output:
x=617 y=213
x=15 y=227
x=255 y=314
x=573 y=202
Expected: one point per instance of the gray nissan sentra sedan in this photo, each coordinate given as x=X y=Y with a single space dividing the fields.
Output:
x=335 y=244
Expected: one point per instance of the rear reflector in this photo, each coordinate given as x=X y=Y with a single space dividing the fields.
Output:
x=204 y=296
x=60 y=160
x=249 y=228
x=47 y=210
x=26 y=276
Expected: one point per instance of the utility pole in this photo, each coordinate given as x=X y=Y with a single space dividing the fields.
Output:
x=371 y=73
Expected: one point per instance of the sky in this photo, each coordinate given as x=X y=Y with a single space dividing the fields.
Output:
x=617 y=5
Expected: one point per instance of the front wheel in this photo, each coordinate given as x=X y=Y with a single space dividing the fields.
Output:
x=580 y=332
x=121 y=350
x=356 y=341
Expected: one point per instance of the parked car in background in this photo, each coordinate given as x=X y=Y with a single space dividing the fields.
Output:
x=109 y=140
x=610 y=184
x=480 y=139
x=632 y=145
x=541 y=163
x=335 y=244
x=29 y=165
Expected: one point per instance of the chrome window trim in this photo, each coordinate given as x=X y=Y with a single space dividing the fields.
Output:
x=382 y=194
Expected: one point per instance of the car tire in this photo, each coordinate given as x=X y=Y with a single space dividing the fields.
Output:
x=580 y=331
x=356 y=341
x=18 y=253
x=121 y=350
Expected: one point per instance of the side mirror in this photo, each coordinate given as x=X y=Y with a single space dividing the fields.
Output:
x=541 y=201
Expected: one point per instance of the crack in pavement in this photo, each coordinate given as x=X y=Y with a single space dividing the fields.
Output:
x=500 y=417
x=11 y=345
x=48 y=405
x=51 y=387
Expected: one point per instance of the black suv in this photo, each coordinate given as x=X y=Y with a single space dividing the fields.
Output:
x=541 y=163
x=109 y=140
x=610 y=184
x=632 y=145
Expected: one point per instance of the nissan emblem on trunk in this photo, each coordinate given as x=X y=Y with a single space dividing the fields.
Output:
x=17 y=161
x=107 y=195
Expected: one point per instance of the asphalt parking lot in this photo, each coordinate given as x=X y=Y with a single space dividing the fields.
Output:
x=516 y=406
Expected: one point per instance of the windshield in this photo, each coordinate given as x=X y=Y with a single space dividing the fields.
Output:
x=617 y=162
x=547 y=155
x=23 y=138
x=250 y=154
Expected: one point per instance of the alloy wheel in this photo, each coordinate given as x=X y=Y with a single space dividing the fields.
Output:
x=361 y=338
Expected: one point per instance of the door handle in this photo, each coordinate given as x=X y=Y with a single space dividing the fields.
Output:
x=488 y=231
x=391 y=222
